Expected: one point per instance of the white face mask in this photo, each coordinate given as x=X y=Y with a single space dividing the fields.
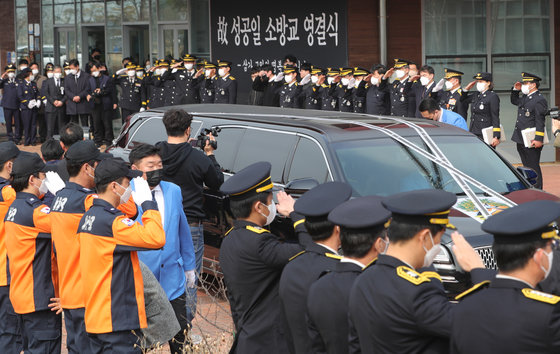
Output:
x=413 y=73
x=31 y=77
x=67 y=72
x=35 y=71
x=95 y=73
x=189 y=66
x=314 y=79
x=345 y=81
x=139 y=74
x=481 y=86
x=448 y=85
x=57 y=75
x=288 y=78
x=432 y=253
x=126 y=195
x=424 y=80
x=73 y=71
x=330 y=80
x=131 y=73
x=50 y=74
x=400 y=73
x=374 y=80
x=22 y=67
x=386 y=241
x=11 y=75
x=162 y=71
x=148 y=67
x=222 y=72
x=525 y=89
x=207 y=73
x=271 y=213
x=550 y=257
x=42 y=188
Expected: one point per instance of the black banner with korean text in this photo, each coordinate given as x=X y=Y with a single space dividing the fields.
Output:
x=255 y=33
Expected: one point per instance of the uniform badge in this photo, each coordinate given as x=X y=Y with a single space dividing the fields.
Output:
x=402 y=98
x=452 y=102
x=288 y=99
x=348 y=103
x=402 y=89
x=209 y=93
x=527 y=114
x=45 y=210
x=127 y=222
x=333 y=103
x=223 y=92
x=481 y=107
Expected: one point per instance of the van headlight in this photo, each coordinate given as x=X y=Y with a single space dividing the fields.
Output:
x=443 y=260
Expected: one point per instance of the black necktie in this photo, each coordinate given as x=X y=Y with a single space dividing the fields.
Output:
x=154 y=196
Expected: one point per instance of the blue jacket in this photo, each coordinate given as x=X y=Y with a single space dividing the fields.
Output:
x=453 y=118
x=170 y=263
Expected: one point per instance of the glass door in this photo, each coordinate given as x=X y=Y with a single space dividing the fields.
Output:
x=137 y=43
x=65 y=44
x=174 y=40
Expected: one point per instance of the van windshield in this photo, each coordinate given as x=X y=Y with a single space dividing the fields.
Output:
x=384 y=167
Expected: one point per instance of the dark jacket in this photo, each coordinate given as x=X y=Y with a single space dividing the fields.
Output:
x=297 y=277
x=418 y=92
x=327 y=309
x=377 y=99
x=27 y=91
x=105 y=95
x=226 y=90
x=9 y=98
x=531 y=111
x=396 y=309
x=270 y=90
x=252 y=259
x=452 y=102
x=184 y=85
x=507 y=317
x=401 y=104
x=190 y=169
x=80 y=87
x=133 y=94
x=53 y=93
x=485 y=111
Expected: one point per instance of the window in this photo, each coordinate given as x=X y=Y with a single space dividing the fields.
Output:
x=261 y=145
x=136 y=10
x=149 y=132
x=172 y=10
x=93 y=12
x=22 y=39
x=228 y=143
x=308 y=162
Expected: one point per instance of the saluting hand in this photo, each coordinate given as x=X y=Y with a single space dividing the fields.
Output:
x=517 y=86
x=466 y=256
x=285 y=204
x=470 y=85
x=388 y=73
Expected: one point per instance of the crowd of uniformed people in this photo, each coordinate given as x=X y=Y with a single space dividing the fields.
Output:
x=360 y=279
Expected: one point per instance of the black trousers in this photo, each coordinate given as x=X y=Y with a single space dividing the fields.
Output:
x=102 y=125
x=29 y=120
x=13 y=119
x=42 y=331
x=180 y=308
x=80 y=119
x=10 y=325
x=121 y=342
x=55 y=121
x=127 y=112
x=531 y=157
x=77 y=339
x=42 y=126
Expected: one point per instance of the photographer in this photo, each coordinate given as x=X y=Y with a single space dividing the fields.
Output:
x=101 y=97
x=190 y=169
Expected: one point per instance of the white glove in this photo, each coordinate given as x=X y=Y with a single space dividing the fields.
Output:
x=142 y=109
x=305 y=80
x=45 y=101
x=279 y=77
x=31 y=104
x=53 y=182
x=191 y=278
x=120 y=71
x=351 y=83
x=37 y=103
x=439 y=85
x=174 y=70
x=141 y=191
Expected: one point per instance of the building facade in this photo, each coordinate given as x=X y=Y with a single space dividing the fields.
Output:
x=504 y=37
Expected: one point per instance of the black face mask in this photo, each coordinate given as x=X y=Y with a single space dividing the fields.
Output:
x=97 y=57
x=154 y=177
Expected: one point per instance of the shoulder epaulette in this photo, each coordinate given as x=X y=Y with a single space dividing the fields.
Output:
x=228 y=231
x=231 y=77
x=540 y=296
x=432 y=275
x=324 y=85
x=257 y=230
x=411 y=275
x=370 y=263
x=296 y=255
x=332 y=255
x=473 y=289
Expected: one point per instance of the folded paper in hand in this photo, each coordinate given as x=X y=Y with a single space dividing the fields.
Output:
x=488 y=134
x=529 y=135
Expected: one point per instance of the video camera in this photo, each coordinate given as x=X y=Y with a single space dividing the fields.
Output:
x=201 y=140
x=554 y=113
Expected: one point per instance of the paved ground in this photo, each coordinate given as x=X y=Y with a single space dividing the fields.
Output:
x=213 y=321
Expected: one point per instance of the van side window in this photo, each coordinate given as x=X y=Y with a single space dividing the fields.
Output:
x=308 y=162
x=259 y=145
x=228 y=144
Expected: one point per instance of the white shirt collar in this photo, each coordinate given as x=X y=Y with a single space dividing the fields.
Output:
x=327 y=247
x=430 y=85
x=502 y=276
x=225 y=77
x=291 y=84
x=455 y=89
x=348 y=260
x=532 y=93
